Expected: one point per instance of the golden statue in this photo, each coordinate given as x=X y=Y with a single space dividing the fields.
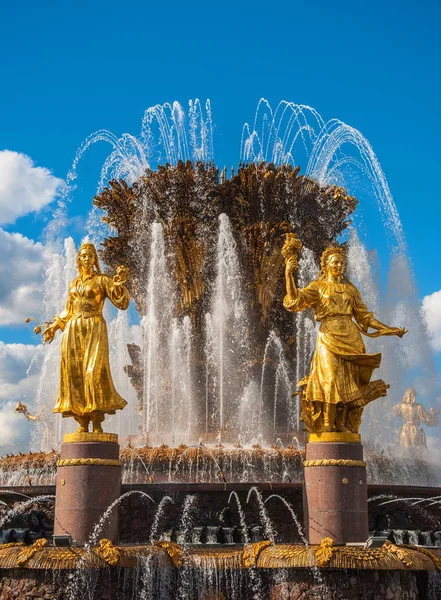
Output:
x=413 y=413
x=23 y=409
x=87 y=392
x=339 y=383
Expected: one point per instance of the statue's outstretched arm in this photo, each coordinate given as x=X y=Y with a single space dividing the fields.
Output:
x=385 y=329
x=115 y=288
x=396 y=410
x=59 y=322
x=429 y=417
x=366 y=319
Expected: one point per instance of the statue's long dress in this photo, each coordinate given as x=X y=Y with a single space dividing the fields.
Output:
x=86 y=384
x=411 y=433
x=340 y=366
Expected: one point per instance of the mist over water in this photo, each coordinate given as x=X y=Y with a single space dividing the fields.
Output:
x=182 y=400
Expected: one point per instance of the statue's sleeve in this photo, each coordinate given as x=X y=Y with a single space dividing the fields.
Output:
x=64 y=316
x=360 y=311
x=396 y=410
x=307 y=297
x=427 y=417
x=117 y=294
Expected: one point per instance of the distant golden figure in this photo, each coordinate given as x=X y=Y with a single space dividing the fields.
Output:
x=86 y=391
x=339 y=383
x=413 y=414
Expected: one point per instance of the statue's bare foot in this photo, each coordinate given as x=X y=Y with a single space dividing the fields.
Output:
x=97 y=419
x=342 y=428
x=84 y=424
x=327 y=428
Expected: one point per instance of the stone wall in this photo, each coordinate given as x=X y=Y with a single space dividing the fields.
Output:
x=344 y=585
x=293 y=584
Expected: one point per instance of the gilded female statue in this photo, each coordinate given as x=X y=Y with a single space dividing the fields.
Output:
x=413 y=414
x=86 y=390
x=338 y=385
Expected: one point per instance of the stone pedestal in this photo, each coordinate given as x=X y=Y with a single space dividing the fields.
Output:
x=335 y=490
x=88 y=481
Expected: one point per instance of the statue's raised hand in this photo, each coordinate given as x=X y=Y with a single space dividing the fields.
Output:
x=399 y=331
x=291 y=264
x=121 y=275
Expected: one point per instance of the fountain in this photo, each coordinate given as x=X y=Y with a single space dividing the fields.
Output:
x=204 y=499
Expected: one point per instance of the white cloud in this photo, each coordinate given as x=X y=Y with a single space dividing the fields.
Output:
x=16 y=386
x=24 y=187
x=432 y=314
x=21 y=283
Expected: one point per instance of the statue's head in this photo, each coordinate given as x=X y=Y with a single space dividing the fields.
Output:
x=87 y=257
x=410 y=396
x=333 y=260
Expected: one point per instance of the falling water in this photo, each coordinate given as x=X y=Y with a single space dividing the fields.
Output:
x=274 y=354
x=158 y=515
x=270 y=534
x=293 y=515
x=21 y=506
x=155 y=329
x=227 y=345
x=305 y=326
x=125 y=422
x=94 y=536
x=60 y=271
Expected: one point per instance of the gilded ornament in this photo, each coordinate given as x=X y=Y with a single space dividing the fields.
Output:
x=90 y=437
x=334 y=462
x=29 y=552
x=251 y=553
x=110 y=553
x=401 y=553
x=324 y=552
x=95 y=462
x=173 y=550
x=260 y=555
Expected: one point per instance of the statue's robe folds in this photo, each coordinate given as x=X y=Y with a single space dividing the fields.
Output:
x=340 y=367
x=86 y=384
x=411 y=432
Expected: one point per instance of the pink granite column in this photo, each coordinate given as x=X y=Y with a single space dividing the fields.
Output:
x=88 y=482
x=335 y=495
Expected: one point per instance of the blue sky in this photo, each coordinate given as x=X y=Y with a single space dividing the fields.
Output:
x=70 y=68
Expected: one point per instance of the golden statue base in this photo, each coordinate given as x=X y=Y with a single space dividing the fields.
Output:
x=331 y=436
x=70 y=438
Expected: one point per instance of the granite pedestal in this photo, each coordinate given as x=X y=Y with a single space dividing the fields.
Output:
x=335 y=490
x=88 y=482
